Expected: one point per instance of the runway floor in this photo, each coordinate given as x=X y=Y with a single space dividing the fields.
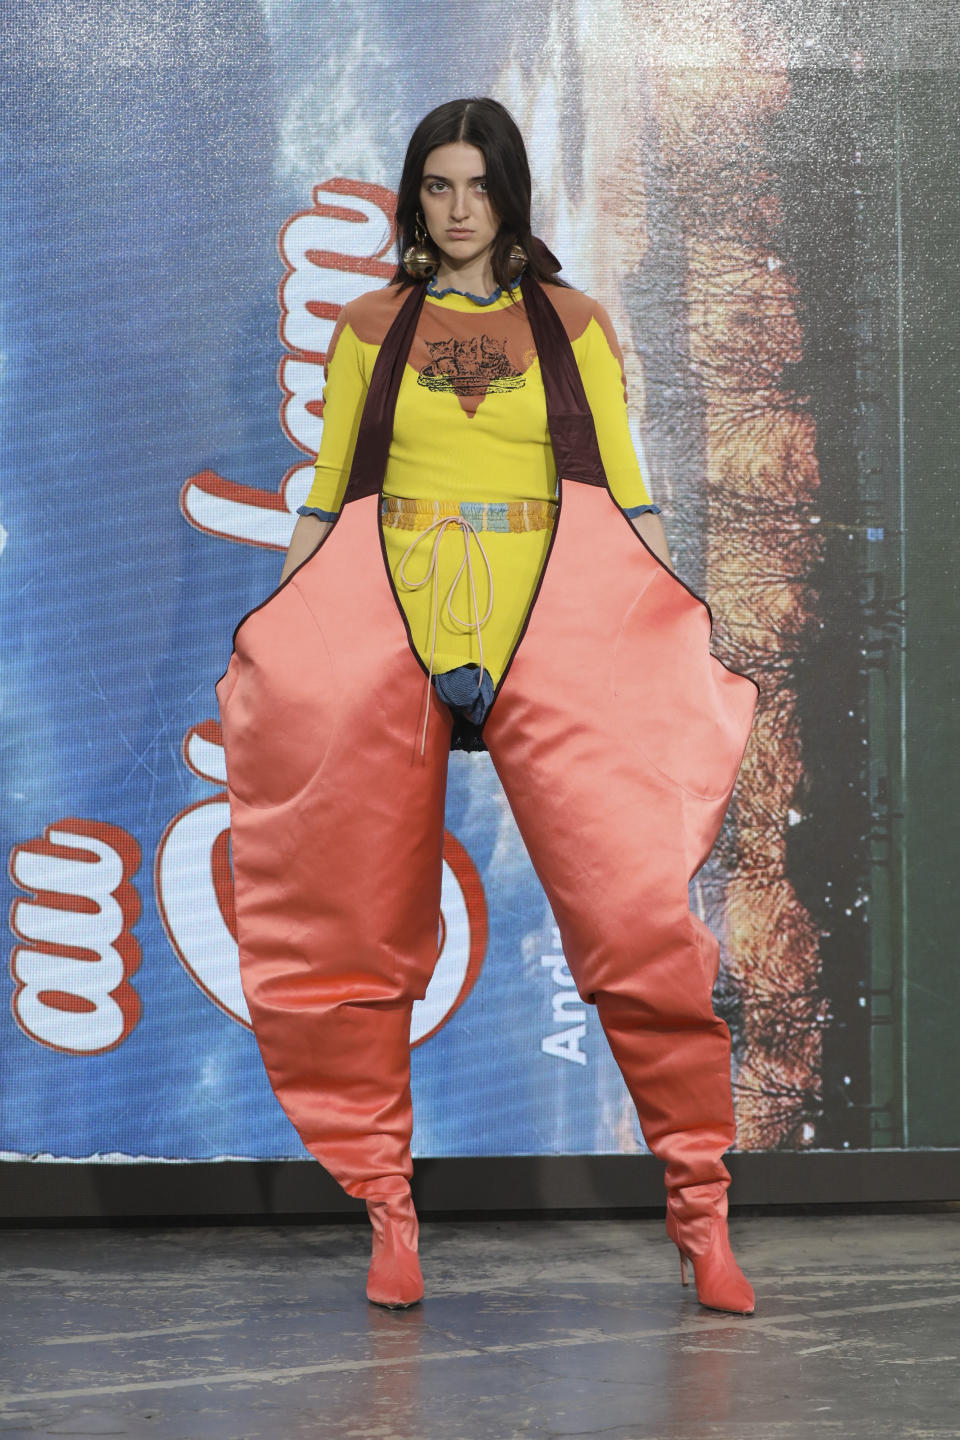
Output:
x=532 y=1329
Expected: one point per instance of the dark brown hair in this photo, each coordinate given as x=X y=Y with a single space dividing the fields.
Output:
x=492 y=129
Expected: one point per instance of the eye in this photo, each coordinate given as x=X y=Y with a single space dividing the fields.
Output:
x=435 y=186
x=482 y=186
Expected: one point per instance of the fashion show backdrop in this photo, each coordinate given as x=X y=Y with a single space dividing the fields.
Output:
x=191 y=191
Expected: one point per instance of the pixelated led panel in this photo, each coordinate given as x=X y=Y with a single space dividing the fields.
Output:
x=224 y=201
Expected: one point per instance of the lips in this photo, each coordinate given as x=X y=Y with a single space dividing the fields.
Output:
x=460 y=234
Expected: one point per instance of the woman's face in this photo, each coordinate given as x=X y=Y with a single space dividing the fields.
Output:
x=455 y=204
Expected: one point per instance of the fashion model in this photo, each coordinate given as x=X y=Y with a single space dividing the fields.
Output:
x=479 y=565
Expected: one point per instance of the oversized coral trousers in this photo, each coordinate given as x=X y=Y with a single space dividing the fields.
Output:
x=617 y=736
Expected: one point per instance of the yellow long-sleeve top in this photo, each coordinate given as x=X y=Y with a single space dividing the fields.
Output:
x=470 y=426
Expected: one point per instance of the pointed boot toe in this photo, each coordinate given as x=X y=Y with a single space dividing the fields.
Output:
x=394 y=1279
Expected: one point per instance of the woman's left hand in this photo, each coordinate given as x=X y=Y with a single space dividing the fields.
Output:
x=650 y=528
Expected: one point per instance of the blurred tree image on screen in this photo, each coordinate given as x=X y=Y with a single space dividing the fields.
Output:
x=676 y=222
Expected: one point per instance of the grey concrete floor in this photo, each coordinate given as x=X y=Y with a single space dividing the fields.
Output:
x=530 y=1329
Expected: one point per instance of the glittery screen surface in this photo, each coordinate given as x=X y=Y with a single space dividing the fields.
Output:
x=764 y=197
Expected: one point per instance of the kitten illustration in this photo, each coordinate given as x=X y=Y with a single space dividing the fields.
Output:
x=470 y=367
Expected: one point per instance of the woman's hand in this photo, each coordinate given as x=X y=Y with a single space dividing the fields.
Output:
x=650 y=528
x=307 y=534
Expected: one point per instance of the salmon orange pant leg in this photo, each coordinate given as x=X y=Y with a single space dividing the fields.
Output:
x=337 y=836
x=617 y=736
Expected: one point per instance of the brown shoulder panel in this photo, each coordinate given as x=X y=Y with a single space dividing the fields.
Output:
x=371 y=315
x=606 y=325
x=574 y=307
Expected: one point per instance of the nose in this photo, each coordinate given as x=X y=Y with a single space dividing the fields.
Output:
x=460 y=204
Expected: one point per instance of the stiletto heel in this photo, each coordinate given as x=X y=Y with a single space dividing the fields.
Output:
x=683 y=1267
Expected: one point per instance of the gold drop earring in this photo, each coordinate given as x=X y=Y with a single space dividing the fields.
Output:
x=418 y=259
x=516 y=261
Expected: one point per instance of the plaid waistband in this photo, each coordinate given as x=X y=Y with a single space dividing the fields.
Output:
x=510 y=517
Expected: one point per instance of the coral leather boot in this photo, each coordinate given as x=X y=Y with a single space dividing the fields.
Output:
x=394 y=1278
x=697 y=1224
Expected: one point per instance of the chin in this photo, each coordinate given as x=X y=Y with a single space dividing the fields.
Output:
x=462 y=253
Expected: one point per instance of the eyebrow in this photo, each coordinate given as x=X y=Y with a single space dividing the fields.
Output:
x=446 y=181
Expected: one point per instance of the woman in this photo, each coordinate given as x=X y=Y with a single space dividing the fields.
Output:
x=478 y=564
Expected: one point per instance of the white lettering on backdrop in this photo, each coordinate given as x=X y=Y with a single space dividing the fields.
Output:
x=567 y=1007
x=73 y=992
x=331 y=253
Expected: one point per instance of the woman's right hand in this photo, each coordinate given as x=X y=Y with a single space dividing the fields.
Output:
x=308 y=532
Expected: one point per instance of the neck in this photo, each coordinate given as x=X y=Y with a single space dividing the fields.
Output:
x=474 y=275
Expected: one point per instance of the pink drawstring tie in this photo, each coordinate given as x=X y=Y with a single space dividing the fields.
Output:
x=439 y=526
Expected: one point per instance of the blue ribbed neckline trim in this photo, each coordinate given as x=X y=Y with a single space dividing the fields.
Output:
x=436 y=294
